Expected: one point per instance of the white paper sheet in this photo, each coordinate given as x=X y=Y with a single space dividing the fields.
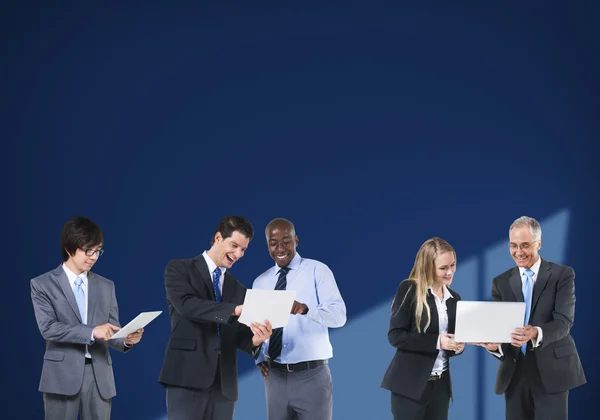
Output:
x=136 y=323
x=487 y=322
x=272 y=305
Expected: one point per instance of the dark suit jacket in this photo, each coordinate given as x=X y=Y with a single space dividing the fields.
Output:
x=416 y=352
x=59 y=321
x=553 y=310
x=194 y=348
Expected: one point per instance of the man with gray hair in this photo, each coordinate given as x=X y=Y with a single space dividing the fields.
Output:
x=541 y=364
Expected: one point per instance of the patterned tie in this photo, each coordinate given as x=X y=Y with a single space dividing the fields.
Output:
x=275 y=343
x=80 y=298
x=527 y=292
x=216 y=277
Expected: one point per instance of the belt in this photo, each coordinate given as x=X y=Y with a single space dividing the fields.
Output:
x=297 y=367
x=439 y=376
x=88 y=360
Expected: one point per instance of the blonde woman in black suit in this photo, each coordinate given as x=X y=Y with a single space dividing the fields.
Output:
x=421 y=330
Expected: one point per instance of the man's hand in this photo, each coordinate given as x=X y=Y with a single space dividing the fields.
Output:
x=522 y=335
x=238 y=310
x=105 y=331
x=264 y=369
x=488 y=346
x=134 y=338
x=447 y=342
x=261 y=332
x=299 y=308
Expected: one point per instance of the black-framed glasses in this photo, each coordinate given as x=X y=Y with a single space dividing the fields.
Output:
x=525 y=246
x=91 y=252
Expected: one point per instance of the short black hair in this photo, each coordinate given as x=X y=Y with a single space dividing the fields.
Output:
x=79 y=233
x=230 y=224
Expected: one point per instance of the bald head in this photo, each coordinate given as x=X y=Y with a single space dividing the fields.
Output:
x=280 y=223
x=281 y=240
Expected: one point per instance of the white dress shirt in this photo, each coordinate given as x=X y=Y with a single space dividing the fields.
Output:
x=441 y=361
x=211 y=269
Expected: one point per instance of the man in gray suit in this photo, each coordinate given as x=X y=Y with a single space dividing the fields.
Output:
x=541 y=364
x=77 y=314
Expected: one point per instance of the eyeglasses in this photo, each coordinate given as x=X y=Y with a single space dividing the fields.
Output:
x=525 y=246
x=90 y=252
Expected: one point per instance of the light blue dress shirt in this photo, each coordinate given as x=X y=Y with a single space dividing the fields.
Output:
x=306 y=337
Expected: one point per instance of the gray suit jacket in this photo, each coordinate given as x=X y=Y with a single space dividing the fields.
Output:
x=553 y=310
x=59 y=321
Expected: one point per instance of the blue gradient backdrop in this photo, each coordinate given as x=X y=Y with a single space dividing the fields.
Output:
x=372 y=127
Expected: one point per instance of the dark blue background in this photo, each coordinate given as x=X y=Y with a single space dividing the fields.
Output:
x=372 y=127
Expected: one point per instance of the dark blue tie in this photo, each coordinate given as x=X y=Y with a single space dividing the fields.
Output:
x=275 y=343
x=216 y=277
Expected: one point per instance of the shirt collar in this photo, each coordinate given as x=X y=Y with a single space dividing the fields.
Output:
x=211 y=264
x=293 y=265
x=447 y=294
x=72 y=276
x=535 y=267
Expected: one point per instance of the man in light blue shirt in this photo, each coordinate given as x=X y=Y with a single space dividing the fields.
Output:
x=294 y=361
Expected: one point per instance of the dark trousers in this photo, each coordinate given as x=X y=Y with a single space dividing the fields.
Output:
x=433 y=405
x=199 y=404
x=526 y=397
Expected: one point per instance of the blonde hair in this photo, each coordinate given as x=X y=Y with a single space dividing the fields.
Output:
x=423 y=275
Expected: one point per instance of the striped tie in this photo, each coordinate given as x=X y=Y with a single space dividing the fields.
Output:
x=275 y=343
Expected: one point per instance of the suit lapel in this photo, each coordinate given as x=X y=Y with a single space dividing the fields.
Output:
x=205 y=277
x=516 y=285
x=451 y=307
x=541 y=282
x=92 y=297
x=61 y=278
x=434 y=325
x=228 y=289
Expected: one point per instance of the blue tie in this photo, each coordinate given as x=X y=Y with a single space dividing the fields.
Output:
x=216 y=277
x=527 y=292
x=80 y=298
x=276 y=341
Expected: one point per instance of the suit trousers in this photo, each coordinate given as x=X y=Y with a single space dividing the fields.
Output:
x=199 y=404
x=302 y=395
x=89 y=400
x=526 y=398
x=433 y=405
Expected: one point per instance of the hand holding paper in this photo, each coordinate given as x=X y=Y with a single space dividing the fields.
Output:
x=487 y=322
x=272 y=305
x=136 y=324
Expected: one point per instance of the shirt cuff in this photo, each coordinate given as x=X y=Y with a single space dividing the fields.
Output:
x=311 y=314
x=498 y=353
x=438 y=344
x=256 y=351
x=536 y=342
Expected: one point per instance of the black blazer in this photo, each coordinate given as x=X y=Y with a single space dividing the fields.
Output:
x=553 y=310
x=193 y=348
x=416 y=351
